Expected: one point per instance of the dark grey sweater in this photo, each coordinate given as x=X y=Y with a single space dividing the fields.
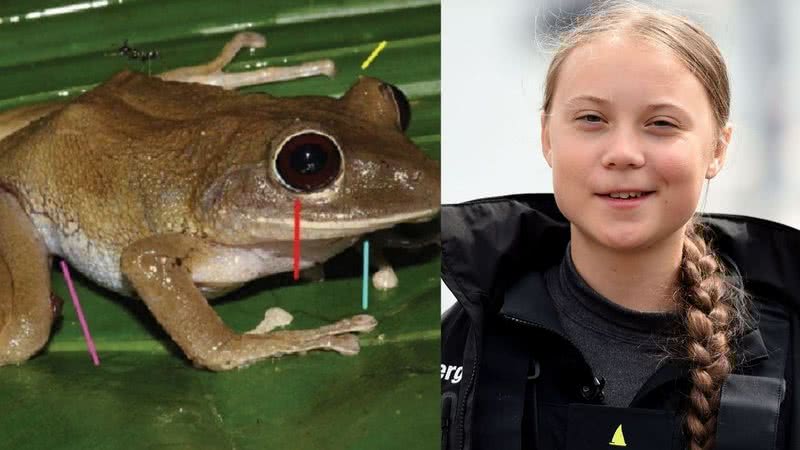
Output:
x=622 y=345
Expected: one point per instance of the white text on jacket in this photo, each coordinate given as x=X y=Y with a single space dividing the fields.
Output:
x=451 y=373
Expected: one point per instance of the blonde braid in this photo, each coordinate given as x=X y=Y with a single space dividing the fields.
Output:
x=708 y=318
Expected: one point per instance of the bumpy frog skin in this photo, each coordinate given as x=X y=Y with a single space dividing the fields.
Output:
x=173 y=191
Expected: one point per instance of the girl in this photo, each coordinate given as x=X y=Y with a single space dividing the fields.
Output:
x=611 y=314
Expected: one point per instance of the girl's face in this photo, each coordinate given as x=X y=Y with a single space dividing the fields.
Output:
x=627 y=116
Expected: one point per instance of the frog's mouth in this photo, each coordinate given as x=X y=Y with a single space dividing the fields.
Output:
x=364 y=225
x=328 y=229
x=269 y=229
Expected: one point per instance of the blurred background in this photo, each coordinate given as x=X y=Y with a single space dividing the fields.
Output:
x=494 y=59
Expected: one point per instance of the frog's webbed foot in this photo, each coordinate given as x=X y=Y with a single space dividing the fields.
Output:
x=159 y=268
x=211 y=72
x=26 y=314
x=336 y=335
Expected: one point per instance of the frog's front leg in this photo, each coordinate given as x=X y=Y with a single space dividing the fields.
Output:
x=211 y=72
x=26 y=314
x=159 y=268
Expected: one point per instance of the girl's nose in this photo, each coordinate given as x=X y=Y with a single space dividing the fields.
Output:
x=623 y=150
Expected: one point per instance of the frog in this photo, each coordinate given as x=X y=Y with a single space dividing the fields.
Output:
x=176 y=189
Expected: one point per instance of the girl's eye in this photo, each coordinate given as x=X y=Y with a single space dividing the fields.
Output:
x=664 y=123
x=590 y=118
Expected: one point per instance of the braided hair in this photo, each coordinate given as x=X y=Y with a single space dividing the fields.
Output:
x=709 y=322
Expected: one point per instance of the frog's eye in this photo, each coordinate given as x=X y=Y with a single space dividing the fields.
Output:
x=401 y=103
x=308 y=161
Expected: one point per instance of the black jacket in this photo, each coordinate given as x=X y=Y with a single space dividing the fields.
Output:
x=511 y=379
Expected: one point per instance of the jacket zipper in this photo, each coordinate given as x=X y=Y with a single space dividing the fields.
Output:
x=447 y=406
x=462 y=413
x=562 y=336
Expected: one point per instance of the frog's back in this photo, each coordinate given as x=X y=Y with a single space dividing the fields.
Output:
x=115 y=165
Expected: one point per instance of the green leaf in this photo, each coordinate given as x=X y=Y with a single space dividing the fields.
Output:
x=145 y=395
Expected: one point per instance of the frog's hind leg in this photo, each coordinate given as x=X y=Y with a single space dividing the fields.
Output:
x=211 y=72
x=159 y=268
x=26 y=313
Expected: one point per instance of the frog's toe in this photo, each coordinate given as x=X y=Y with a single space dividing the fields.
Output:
x=363 y=323
x=384 y=279
x=345 y=344
x=273 y=318
x=211 y=72
x=249 y=39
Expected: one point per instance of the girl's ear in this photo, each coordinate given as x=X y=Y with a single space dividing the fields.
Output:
x=546 y=149
x=720 y=151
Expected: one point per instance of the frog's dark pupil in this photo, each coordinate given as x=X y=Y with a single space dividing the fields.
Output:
x=308 y=162
x=308 y=159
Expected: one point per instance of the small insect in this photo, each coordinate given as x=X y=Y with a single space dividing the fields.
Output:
x=134 y=53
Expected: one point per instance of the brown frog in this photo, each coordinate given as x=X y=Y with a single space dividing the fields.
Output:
x=175 y=191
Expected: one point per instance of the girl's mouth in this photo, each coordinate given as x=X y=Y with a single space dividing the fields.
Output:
x=630 y=199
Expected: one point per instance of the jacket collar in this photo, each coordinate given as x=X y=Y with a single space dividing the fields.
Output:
x=488 y=244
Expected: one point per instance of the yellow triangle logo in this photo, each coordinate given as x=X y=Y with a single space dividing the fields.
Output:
x=618 y=440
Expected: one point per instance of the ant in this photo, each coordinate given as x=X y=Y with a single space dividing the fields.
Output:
x=133 y=53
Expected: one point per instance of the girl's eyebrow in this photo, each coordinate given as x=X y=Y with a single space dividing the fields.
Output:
x=603 y=101
x=589 y=98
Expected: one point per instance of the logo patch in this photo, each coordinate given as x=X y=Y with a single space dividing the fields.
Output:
x=618 y=440
x=596 y=427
